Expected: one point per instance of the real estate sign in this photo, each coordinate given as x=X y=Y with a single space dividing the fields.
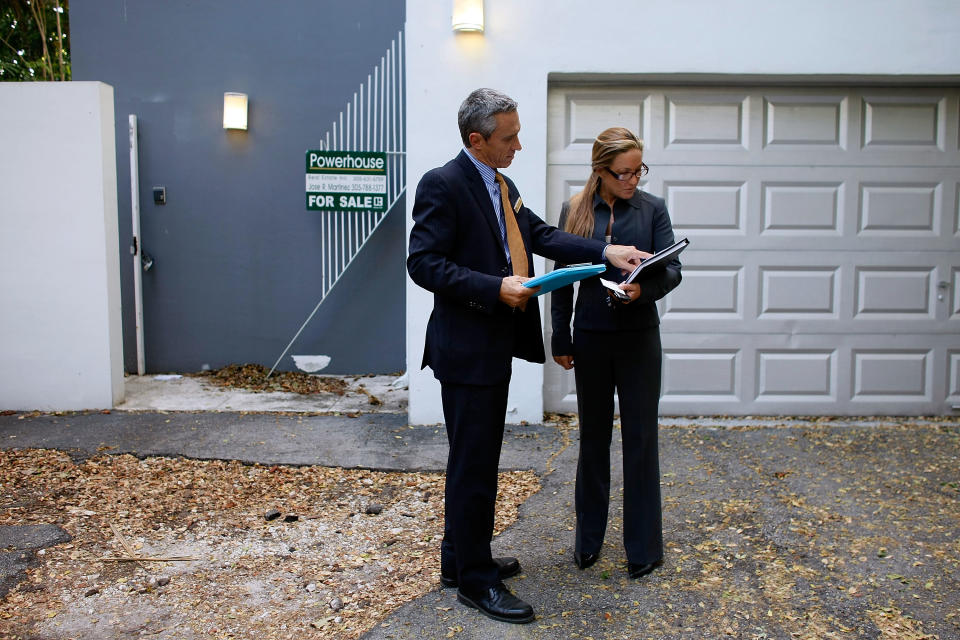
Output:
x=346 y=181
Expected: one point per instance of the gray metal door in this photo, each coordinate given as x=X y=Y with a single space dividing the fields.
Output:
x=824 y=271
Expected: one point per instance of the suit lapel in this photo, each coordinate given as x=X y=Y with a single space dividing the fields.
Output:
x=481 y=197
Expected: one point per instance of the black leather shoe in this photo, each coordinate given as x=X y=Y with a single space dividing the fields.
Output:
x=498 y=603
x=585 y=560
x=640 y=570
x=508 y=567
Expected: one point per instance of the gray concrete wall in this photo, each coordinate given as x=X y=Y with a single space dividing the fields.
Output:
x=236 y=255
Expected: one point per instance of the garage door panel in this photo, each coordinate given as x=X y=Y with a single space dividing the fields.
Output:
x=706 y=121
x=807 y=374
x=804 y=291
x=575 y=118
x=798 y=121
x=956 y=212
x=710 y=292
x=801 y=208
x=892 y=374
x=894 y=292
x=894 y=121
x=948 y=290
x=823 y=274
x=900 y=208
x=590 y=115
x=707 y=205
x=703 y=374
x=953 y=375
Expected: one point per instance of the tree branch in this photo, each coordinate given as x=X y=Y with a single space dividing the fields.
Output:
x=63 y=71
x=26 y=65
x=37 y=10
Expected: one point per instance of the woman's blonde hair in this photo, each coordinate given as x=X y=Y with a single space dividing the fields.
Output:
x=608 y=145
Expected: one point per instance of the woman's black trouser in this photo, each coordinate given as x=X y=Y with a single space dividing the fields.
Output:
x=629 y=363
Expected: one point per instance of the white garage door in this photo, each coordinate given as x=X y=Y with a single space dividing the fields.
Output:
x=823 y=275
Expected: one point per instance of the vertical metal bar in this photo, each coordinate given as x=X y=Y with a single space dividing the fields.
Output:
x=329 y=245
x=393 y=110
x=323 y=259
x=383 y=97
x=360 y=118
x=376 y=99
x=331 y=239
x=388 y=72
x=344 y=239
x=401 y=87
x=137 y=243
x=366 y=130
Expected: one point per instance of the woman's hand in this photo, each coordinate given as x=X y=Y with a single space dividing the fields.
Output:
x=564 y=361
x=632 y=290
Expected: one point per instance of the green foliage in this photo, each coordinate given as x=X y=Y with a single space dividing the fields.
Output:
x=33 y=40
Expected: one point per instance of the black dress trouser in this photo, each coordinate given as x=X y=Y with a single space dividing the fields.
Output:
x=474 y=417
x=628 y=362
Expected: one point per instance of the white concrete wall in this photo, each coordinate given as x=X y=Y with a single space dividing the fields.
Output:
x=675 y=40
x=60 y=324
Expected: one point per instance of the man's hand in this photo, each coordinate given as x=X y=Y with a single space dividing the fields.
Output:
x=564 y=361
x=513 y=293
x=625 y=257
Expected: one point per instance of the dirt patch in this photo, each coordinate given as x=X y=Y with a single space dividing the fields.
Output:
x=347 y=547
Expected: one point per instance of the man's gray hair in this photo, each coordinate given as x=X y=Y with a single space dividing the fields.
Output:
x=478 y=113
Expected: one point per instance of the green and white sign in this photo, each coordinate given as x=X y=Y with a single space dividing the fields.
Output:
x=346 y=181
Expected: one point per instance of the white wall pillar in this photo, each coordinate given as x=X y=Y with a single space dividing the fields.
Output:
x=60 y=325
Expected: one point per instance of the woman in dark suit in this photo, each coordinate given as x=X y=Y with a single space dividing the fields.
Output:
x=616 y=346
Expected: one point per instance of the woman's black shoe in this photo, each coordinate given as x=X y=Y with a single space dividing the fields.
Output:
x=640 y=570
x=498 y=603
x=585 y=560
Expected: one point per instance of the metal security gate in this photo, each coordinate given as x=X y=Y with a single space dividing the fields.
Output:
x=824 y=271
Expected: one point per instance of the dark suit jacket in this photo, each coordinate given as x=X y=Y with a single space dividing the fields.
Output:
x=456 y=252
x=643 y=222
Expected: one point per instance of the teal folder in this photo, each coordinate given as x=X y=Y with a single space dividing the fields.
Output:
x=562 y=277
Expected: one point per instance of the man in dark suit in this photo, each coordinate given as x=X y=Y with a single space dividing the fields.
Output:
x=471 y=245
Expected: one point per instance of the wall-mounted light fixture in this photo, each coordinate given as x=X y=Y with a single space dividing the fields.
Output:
x=235 y=111
x=468 y=15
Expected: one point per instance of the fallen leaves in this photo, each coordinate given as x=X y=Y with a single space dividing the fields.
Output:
x=254 y=378
x=365 y=541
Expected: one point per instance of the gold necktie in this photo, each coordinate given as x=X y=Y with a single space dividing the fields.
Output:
x=518 y=253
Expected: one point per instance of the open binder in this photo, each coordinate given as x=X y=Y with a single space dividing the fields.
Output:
x=658 y=260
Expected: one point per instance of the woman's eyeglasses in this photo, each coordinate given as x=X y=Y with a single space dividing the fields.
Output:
x=625 y=177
